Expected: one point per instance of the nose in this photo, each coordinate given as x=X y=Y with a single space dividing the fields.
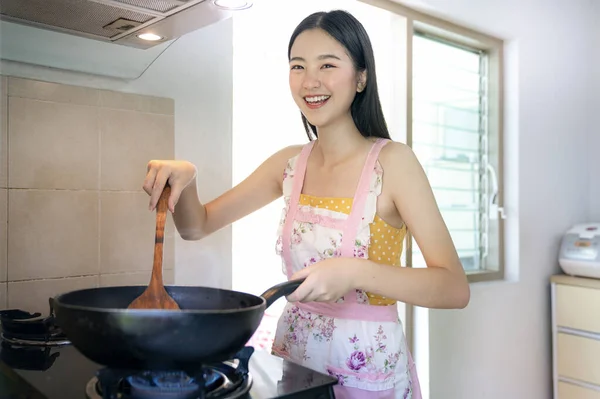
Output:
x=311 y=81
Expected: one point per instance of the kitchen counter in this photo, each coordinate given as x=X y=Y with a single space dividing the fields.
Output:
x=585 y=282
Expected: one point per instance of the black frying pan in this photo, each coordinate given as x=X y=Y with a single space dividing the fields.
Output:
x=212 y=325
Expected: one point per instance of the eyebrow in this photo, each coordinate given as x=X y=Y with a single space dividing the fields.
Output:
x=321 y=57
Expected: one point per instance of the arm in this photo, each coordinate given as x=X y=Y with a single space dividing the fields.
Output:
x=195 y=220
x=443 y=284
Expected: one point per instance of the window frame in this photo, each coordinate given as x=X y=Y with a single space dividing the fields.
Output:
x=421 y=23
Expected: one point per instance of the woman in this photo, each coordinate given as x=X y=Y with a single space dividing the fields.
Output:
x=350 y=196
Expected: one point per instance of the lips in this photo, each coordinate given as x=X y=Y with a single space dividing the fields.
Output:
x=314 y=102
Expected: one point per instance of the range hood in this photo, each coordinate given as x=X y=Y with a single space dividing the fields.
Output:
x=100 y=37
x=120 y=21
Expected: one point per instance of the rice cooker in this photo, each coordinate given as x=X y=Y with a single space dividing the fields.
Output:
x=580 y=251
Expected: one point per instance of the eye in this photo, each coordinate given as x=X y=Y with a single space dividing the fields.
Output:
x=327 y=66
x=297 y=67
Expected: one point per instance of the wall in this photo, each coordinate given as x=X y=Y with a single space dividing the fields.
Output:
x=499 y=346
x=196 y=72
x=76 y=215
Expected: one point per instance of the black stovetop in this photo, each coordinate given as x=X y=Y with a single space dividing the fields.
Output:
x=63 y=372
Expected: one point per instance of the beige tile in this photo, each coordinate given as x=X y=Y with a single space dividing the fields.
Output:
x=136 y=102
x=129 y=140
x=46 y=91
x=52 y=234
x=52 y=145
x=138 y=278
x=3 y=232
x=3 y=296
x=32 y=296
x=3 y=132
x=127 y=232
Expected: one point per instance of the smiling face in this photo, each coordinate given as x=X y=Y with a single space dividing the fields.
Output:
x=323 y=79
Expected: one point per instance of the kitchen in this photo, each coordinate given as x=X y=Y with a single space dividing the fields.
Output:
x=499 y=346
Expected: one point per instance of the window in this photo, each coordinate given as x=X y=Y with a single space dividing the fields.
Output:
x=455 y=134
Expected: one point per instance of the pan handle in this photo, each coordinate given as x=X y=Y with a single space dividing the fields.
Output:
x=279 y=290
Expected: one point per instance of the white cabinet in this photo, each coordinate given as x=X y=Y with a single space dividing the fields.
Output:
x=575 y=337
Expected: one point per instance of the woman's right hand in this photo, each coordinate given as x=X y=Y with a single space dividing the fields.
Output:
x=179 y=174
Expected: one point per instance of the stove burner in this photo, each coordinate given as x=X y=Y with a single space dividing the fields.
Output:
x=172 y=384
x=22 y=328
x=229 y=380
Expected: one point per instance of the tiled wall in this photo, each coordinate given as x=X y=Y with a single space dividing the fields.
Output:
x=72 y=211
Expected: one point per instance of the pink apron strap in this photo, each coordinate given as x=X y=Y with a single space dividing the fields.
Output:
x=299 y=172
x=358 y=207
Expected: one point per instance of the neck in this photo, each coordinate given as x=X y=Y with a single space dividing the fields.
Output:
x=338 y=141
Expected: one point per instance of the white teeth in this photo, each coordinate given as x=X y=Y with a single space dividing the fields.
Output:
x=316 y=99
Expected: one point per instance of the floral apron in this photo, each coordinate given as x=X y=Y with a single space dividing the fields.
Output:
x=361 y=344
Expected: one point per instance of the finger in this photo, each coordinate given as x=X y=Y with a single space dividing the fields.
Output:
x=303 y=273
x=301 y=293
x=150 y=165
x=157 y=188
x=149 y=180
x=174 y=197
x=310 y=297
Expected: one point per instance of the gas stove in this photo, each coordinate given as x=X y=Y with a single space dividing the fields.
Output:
x=37 y=361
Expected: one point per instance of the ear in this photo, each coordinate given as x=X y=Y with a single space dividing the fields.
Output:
x=362 y=81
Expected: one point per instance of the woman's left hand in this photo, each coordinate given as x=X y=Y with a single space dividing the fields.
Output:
x=326 y=281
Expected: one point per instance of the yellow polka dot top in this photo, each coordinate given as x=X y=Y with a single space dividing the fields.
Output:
x=386 y=241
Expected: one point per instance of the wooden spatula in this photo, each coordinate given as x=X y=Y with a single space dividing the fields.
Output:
x=155 y=296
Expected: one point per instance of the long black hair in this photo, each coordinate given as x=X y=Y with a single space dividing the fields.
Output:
x=349 y=32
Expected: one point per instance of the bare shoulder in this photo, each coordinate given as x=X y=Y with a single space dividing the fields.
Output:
x=277 y=162
x=279 y=159
x=404 y=175
x=289 y=152
x=398 y=159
